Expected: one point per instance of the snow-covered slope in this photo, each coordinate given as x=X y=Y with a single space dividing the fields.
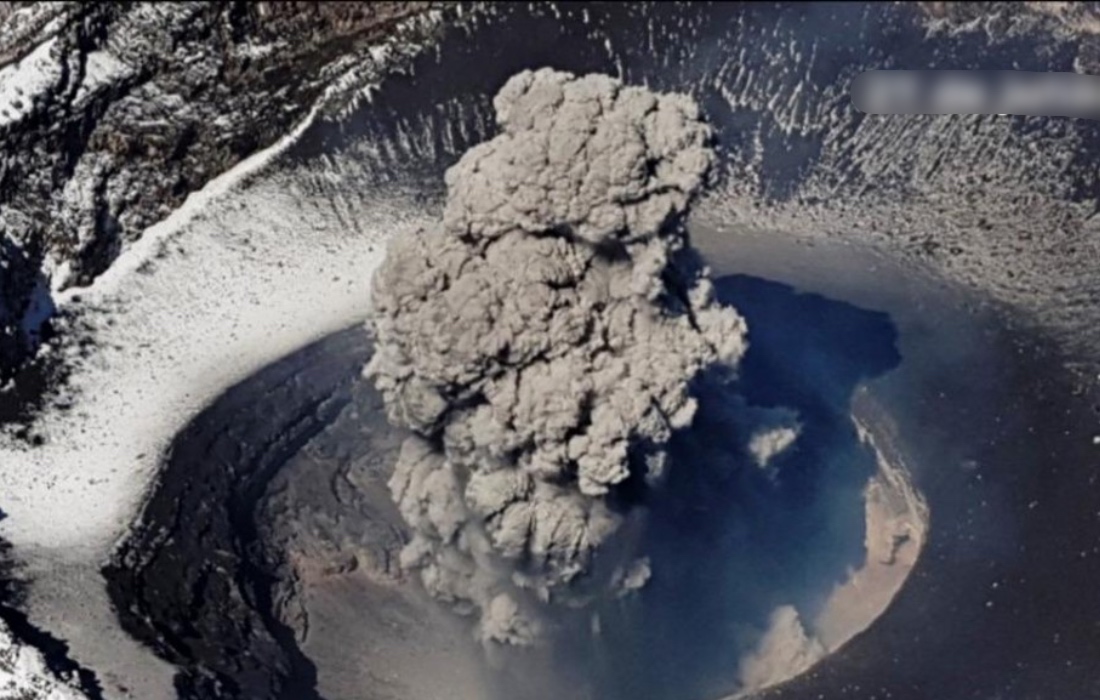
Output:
x=112 y=113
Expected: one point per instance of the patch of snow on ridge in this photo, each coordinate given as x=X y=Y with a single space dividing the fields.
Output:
x=102 y=68
x=23 y=82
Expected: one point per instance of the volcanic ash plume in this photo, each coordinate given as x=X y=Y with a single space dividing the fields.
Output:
x=540 y=343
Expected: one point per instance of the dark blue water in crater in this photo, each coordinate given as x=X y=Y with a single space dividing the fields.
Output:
x=729 y=542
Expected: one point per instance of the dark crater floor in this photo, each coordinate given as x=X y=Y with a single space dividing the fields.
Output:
x=204 y=578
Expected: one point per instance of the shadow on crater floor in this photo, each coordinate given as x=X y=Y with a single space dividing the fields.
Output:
x=729 y=541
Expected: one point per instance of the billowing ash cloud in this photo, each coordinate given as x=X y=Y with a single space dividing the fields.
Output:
x=540 y=342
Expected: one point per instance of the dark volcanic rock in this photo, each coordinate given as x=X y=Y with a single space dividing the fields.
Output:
x=195 y=580
x=19 y=277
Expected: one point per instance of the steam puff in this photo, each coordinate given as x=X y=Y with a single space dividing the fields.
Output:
x=784 y=651
x=541 y=342
x=776 y=431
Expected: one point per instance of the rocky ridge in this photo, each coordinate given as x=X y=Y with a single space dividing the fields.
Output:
x=112 y=113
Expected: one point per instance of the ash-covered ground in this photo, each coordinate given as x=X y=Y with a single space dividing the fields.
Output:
x=997 y=424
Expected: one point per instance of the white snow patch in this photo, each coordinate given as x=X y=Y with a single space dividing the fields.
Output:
x=24 y=674
x=101 y=68
x=23 y=82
